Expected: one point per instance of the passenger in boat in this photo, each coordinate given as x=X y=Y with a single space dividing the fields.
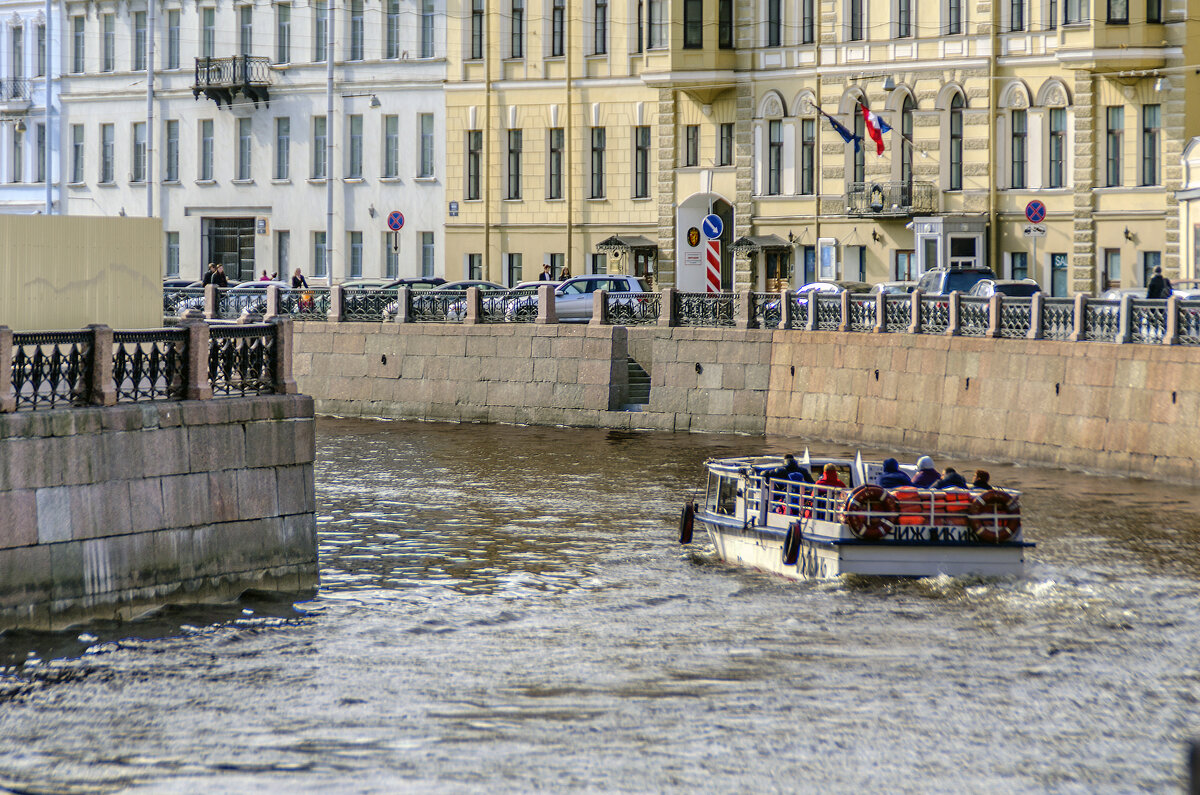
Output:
x=951 y=480
x=982 y=480
x=829 y=477
x=790 y=470
x=891 y=477
x=926 y=475
x=827 y=498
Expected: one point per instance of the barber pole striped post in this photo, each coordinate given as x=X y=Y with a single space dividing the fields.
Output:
x=713 y=252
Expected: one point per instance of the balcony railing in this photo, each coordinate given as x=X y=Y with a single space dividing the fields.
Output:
x=223 y=79
x=15 y=92
x=891 y=198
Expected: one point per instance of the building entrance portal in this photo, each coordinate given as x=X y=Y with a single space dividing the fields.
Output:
x=690 y=249
x=231 y=243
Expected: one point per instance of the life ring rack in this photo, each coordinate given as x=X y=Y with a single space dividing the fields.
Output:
x=871 y=513
x=995 y=516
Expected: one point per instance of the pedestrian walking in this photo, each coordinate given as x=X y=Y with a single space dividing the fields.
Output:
x=1159 y=286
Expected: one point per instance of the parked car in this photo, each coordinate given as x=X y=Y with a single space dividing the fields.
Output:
x=893 y=288
x=415 y=283
x=573 y=297
x=365 y=284
x=943 y=281
x=175 y=284
x=433 y=301
x=1021 y=288
x=1116 y=293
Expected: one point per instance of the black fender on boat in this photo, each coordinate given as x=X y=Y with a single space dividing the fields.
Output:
x=791 y=545
x=687 y=519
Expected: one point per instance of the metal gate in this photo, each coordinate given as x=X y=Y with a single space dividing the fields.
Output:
x=231 y=243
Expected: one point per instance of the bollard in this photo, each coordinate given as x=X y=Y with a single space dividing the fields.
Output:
x=1079 y=334
x=285 y=384
x=8 y=397
x=103 y=388
x=1036 y=304
x=198 y=386
x=952 y=319
x=599 y=308
x=547 y=308
x=914 y=317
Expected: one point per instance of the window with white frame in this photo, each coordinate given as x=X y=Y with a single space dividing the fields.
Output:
x=244 y=149
x=40 y=62
x=206 y=150
x=391 y=46
x=725 y=144
x=355 y=240
x=320 y=255
x=355 y=135
x=427 y=22
x=107 y=151
x=600 y=27
x=691 y=145
x=554 y=169
x=1016 y=15
x=514 y=165
x=78 y=44
x=320 y=30
x=283 y=253
x=657 y=25
x=172 y=253
x=355 y=51
x=283 y=33
x=139 y=40
x=808 y=155
x=391 y=146
x=477 y=33
x=391 y=257
x=1018 y=141
x=319 y=166
x=1114 y=141
x=953 y=21
x=956 y=142
x=77 y=150
x=16 y=171
x=558 y=13
x=856 y=20
x=774 y=157
x=425 y=122
x=474 y=164
x=173 y=38
x=138 y=153
x=427 y=254
x=39 y=166
x=808 y=16
x=283 y=147
x=516 y=21
x=641 y=162
x=1151 y=135
x=904 y=19
x=774 y=23
x=1057 y=176
x=514 y=269
x=245 y=30
x=598 y=152
x=208 y=32
x=108 y=29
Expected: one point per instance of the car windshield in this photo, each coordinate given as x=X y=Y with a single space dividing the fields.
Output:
x=963 y=281
x=575 y=288
x=1017 y=289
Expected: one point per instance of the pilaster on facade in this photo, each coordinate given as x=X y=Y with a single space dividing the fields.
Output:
x=1086 y=169
x=743 y=158
x=666 y=152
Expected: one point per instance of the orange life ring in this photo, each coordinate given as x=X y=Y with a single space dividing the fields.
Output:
x=995 y=516
x=870 y=512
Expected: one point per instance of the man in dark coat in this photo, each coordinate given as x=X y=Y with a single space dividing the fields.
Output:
x=951 y=480
x=891 y=477
x=1159 y=286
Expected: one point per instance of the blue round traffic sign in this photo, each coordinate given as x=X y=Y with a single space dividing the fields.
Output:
x=395 y=220
x=712 y=226
x=1035 y=211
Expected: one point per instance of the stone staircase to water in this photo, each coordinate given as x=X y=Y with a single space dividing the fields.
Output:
x=639 y=387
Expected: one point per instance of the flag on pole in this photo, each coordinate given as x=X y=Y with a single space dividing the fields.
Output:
x=876 y=127
x=847 y=136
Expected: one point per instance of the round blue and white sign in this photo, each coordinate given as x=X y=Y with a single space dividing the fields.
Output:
x=711 y=226
x=395 y=220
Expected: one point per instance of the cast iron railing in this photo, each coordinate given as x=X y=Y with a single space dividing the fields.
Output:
x=306 y=303
x=51 y=368
x=828 y=307
x=1058 y=318
x=973 y=316
x=232 y=302
x=513 y=306
x=241 y=360
x=891 y=198
x=1147 y=321
x=150 y=365
x=935 y=314
x=15 y=88
x=177 y=300
x=1016 y=314
x=369 y=306
x=222 y=79
x=897 y=310
x=862 y=313
x=766 y=310
x=634 y=309
x=437 y=306
x=706 y=309
x=1188 y=319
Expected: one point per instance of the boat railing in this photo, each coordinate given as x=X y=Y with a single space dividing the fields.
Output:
x=796 y=498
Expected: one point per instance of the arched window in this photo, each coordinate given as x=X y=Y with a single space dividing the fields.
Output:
x=956 y=142
x=904 y=145
x=860 y=163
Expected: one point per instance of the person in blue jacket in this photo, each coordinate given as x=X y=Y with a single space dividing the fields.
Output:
x=891 y=477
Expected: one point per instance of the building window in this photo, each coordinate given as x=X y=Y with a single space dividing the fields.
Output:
x=18 y=157
x=953 y=17
x=77 y=44
x=41 y=51
x=356 y=254
x=956 y=142
x=1114 y=139
x=557 y=262
x=77 y=153
x=725 y=24
x=600 y=38
x=244 y=148
x=391 y=257
x=391 y=146
x=356 y=31
x=514 y=269
x=808 y=155
x=391 y=44
x=903 y=19
x=641 y=162
x=138 y=155
x=807 y=21
x=774 y=23
x=554 y=172
x=320 y=30
x=427 y=20
x=1058 y=147
x=172 y=253
x=106 y=153
x=597 y=163
x=1150 y=142
x=208 y=32
x=476 y=29
x=354 y=169
x=557 y=15
x=691 y=145
x=17 y=54
x=1018 y=160
x=426 y=122
x=658 y=24
x=1058 y=275
x=639 y=45
x=283 y=147
x=856 y=20
x=1150 y=261
x=693 y=24
x=1112 y=267
x=474 y=162
x=475 y=266
x=39 y=168
x=1018 y=263
x=1051 y=14
x=1075 y=12
x=283 y=253
x=172 y=151
x=517 y=21
x=514 y=165
x=318 y=148
x=206 y=149
x=1016 y=13
x=173 y=39
x=320 y=266
x=283 y=33
x=245 y=30
x=1154 y=10
x=860 y=151
x=1118 y=12
x=427 y=253
x=108 y=28
x=599 y=264
x=725 y=145
x=906 y=151
x=774 y=156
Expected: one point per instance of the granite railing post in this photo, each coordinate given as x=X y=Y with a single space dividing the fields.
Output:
x=844 y=308
x=1079 y=334
x=403 y=304
x=210 y=302
x=198 y=386
x=285 y=384
x=103 y=388
x=743 y=310
x=785 y=309
x=1170 y=334
x=1124 y=326
x=474 y=307
x=8 y=397
x=914 y=313
x=666 y=309
x=272 y=302
x=548 y=309
x=880 y=313
x=995 y=312
x=952 y=319
x=599 y=307
x=336 y=295
x=810 y=308
x=1037 y=306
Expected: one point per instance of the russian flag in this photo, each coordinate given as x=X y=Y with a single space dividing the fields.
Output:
x=876 y=127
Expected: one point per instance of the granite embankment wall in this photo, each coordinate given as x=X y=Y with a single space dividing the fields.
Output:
x=1086 y=405
x=107 y=511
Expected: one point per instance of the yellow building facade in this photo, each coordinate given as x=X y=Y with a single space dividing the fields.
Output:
x=595 y=136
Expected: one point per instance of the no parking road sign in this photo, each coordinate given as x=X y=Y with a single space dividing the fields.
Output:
x=395 y=220
x=1035 y=211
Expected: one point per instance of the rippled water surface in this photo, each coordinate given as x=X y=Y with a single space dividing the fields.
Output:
x=505 y=609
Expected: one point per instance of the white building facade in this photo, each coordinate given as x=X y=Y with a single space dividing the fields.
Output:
x=28 y=137
x=238 y=152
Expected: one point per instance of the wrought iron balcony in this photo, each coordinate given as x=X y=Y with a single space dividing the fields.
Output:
x=222 y=79
x=15 y=93
x=891 y=198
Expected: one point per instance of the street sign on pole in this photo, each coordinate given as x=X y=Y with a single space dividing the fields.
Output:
x=712 y=226
x=395 y=220
x=1035 y=211
x=1033 y=230
x=396 y=241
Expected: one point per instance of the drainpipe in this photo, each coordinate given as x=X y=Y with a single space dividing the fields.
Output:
x=817 y=176
x=993 y=227
x=568 y=139
x=329 y=125
x=150 y=175
x=46 y=131
x=487 y=153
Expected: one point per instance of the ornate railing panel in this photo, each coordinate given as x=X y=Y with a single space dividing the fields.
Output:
x=177 y=300
x=1147 y=320
x=15 y=88
x=935 y=314
x=828 y=307
x=1101 y=320
x=150 y=365
x=799 y=311
x=1188 y=320
x=1016 y=315
x=706 y=309
x=232 y=302
x=897 y=310
x=972 y=316
x=52 y=368
x=862 y=313
x=513 y=306
x=634 y=309
x=369 y=306
x=241 y=360
x=309 y=303
x=437 y=306
x=765 y=309
x=891 y=198
x=1058 y=318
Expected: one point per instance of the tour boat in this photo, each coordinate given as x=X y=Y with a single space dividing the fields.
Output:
x=756 y=516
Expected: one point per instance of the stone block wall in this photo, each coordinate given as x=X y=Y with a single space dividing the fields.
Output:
x=107 y=511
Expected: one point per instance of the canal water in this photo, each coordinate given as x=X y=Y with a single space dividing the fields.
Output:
x=506 y=609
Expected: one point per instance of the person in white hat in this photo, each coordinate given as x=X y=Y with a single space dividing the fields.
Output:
x=926 y=475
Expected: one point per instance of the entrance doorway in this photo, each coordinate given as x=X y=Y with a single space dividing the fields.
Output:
x=690 y=244
x=231 y=243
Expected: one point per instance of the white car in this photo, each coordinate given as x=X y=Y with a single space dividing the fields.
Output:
x=573 y=298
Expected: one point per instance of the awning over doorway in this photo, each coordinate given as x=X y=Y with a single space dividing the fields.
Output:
x=752 y=244
x=620 y=243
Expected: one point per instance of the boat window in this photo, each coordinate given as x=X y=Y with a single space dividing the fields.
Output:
x=727 y=496
x=710 y=496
